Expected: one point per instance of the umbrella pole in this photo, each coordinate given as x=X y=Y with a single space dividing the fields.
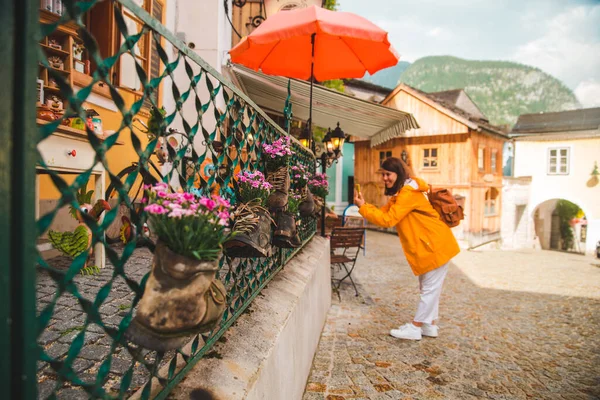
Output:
x=312 y=139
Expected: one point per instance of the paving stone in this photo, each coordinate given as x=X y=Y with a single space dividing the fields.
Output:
x=94 y=352
x=73 y=394
x=494 y=308
x=46 y=388
x=48 y=337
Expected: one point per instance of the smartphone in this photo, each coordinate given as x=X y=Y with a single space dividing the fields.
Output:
x=357 y=187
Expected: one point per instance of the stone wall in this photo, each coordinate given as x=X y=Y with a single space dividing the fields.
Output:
x=268 y=352
x=518 y=228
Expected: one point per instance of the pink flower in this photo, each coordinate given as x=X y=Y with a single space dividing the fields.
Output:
x=188 y=196
x=223 y=215
x=161 y=194
x=207 y=203
x=155 y=209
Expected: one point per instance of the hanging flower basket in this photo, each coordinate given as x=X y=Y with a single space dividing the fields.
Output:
x=277 y=157
x=182 y=295
x=252 y=222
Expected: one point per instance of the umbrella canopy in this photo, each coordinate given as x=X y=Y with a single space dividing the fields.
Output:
x=345 y=45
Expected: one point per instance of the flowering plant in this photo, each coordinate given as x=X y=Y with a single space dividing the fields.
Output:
x=189 y=225
x=300 y=175
x=294 y=200
x=278 y=153
x=253 y=186
x=318 y=185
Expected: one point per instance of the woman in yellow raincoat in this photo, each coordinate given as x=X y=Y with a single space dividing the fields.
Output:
x=428 y=243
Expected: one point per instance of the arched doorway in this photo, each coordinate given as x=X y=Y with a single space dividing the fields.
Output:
x=560 y=225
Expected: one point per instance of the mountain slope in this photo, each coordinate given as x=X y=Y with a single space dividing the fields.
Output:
x=502 y=90
x=387 y=77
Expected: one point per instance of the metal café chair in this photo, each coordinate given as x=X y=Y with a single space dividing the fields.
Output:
x=349 y=241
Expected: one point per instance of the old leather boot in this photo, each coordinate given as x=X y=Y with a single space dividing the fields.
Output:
x=280 y=179
x=181 y=298
x=286 y=234
x=253 y=227
x=307 y=205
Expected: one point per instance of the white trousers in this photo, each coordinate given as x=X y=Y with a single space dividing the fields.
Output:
x=430 y=285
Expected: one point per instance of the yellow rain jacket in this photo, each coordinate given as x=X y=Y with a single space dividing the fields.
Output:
x=428 y=243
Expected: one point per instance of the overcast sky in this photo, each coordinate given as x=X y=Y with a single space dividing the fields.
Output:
x=561 y=37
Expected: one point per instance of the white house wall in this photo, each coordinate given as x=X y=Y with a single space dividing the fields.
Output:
x=194 y=22
x=531 y=159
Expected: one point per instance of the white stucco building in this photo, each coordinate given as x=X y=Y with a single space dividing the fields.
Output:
x=555 y=157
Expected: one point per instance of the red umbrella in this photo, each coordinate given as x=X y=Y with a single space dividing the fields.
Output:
x=314 y=42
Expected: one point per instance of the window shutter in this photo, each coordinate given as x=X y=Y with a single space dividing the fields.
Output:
x=157 y=12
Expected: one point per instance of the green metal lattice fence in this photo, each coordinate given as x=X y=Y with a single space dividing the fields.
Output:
x=77 y=335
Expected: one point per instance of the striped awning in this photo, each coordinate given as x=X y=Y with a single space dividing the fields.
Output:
x=360 y=118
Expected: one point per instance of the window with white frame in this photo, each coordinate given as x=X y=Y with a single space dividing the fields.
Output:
x=491 y=199
x=493 y=161
x=430 y=158
x=558 y=161
x=481 y=158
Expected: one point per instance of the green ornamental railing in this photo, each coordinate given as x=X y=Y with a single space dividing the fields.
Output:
x=83 y=312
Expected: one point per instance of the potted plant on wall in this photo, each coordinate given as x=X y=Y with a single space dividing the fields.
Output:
x=319 y=187
x=182 y=295
x=300 y=177
x=277 y=156
x=252 y=222
x=287 y=220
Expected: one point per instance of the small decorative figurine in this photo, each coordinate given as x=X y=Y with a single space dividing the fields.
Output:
x=80 y=240
x=53 y=43
x=44 y=113
x=78 y=51
x=56 y=62
x=54 y=103
x=52 y=82
x=96 y=121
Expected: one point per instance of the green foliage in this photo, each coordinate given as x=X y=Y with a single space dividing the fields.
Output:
x=335 y=84
x=294 y=200
x=331 y=5
x=83 y=197
x=156 y=122
x=502 y=90
x=90 y=270
x=566 y=212
x=197 y=237
x=388 y=77
x=72 y=329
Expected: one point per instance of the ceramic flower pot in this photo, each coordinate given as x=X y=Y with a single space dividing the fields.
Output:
x=182 y=297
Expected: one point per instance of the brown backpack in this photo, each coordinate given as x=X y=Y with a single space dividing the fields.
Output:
x=446 y=206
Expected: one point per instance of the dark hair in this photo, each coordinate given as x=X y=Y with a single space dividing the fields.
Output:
x=393 y=164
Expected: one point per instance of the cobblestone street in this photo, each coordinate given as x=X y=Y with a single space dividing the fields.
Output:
x=514 y=325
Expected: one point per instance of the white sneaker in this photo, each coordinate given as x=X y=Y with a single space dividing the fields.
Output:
x=407 y=331
x=429 y=330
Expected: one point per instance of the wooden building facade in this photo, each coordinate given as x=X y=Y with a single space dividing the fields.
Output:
x=453 y=148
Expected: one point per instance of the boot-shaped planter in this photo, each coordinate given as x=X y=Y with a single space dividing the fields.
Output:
x=280 y=179
x=253 y=238
x=286 y=233
x=318 y=206
x=182 y=297
x=307 y=205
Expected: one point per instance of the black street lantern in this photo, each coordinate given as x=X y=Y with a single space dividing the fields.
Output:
x=337 y=140
x=305 y=138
